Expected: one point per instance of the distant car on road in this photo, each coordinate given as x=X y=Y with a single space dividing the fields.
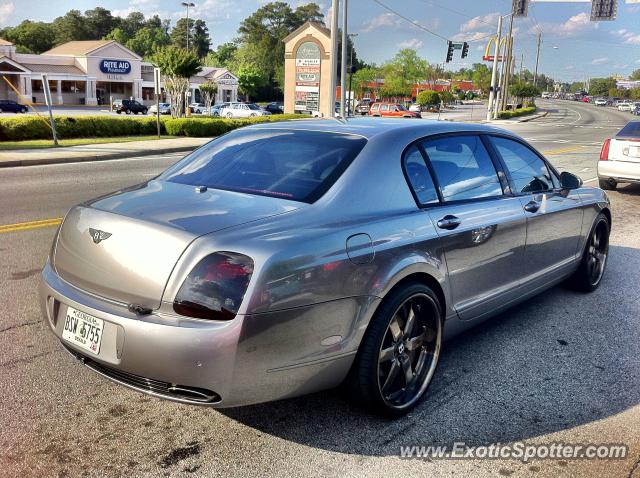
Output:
x=198 y=108
x=636 y=109
x=129 y=106
x=363 y=107
x=415 y=108
x=585 y=99
x=392 y=110
x=600 y=102
x=275 y=108
x=215 y=109
x=12 y=107
x=625 y=106
x=545 y=95
x=620 y=158
x=242 y=110
x=165 y=109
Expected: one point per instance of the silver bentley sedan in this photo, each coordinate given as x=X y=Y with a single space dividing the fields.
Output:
x=285 y=258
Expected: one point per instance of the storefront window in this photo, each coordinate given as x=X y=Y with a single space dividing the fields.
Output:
x=73 y=86
x=53 y=86
x=36 y=85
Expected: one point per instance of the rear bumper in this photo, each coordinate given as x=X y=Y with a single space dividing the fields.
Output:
x=247 y=360
x=621 y=171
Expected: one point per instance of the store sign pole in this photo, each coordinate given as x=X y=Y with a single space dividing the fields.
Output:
x=156 y=84
x=47 y=98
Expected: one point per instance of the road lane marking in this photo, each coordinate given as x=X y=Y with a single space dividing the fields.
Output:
x=24 y=226
x=569 y=149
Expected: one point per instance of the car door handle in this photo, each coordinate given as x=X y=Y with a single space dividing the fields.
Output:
x=449 y=222
x=532 y=206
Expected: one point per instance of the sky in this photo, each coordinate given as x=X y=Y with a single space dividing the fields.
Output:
x=573 y=48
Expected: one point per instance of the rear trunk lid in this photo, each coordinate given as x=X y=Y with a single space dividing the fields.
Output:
x=625 y=149
x=123 y=247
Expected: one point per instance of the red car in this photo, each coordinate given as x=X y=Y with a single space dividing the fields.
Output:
x=392 y=110
x=585 y=99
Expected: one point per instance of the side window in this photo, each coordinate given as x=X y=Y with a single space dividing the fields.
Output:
x=463 y=168
x=384 y=107
x=394 y=108
x=529 y=173
x=419 y=177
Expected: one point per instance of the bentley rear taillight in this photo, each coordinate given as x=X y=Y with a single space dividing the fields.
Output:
x=215 y=287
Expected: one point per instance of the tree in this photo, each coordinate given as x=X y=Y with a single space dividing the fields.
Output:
x=132 y=24
x=428 y=98
x=177 y=66
x=635 y=75
x=208 y=91
x=310 y=12
x=119 y=35
x=402 y=72
x=36 y=37
x=362 y=78
x=100 y=22
x=199 y=40
x=147 y=40
x=72 y=26
x=446 y=97
x=249 y=79
x=481 y=77
x=601 y=86
x=523 y=90
x=221 y=56
x=576 y=87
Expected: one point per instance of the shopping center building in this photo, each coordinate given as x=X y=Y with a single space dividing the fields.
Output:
x=92 y=73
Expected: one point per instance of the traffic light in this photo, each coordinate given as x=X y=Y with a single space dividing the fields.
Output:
x=604 y=10
x=450 y=51
x=520 y=8
x=465 y=50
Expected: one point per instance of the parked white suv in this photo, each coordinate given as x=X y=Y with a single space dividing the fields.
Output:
x=625 y=105
x=600 y=102
x=242 y=110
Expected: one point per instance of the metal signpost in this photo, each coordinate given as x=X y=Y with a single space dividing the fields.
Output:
x=156 y=84
x=47 y=99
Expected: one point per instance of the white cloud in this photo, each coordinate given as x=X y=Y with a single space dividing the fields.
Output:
x=628 y=37
x=6 y=10
x=481 y=21
x=600 y=61
x=381 y=21
x=576 y=25
x=414 y=44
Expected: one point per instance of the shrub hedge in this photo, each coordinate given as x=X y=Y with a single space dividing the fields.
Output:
x=514 y=113
x=22 y=128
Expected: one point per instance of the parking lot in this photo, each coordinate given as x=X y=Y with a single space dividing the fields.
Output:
x=562 y=367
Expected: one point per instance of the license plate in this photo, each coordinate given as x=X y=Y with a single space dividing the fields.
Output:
x=634 y=151
x=83 y=330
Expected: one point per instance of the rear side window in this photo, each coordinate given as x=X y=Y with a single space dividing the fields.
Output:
x=631 y=130
x=463 y=168
x=419 y=177
x=290 y=164
x=528 y=171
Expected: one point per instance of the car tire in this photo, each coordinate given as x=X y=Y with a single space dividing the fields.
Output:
x=588 y=276
x=252 y=115
x=144 y=112
x=24 y=111
x=1 y=110
x=608 y=184
x=119 y=112
x=229 y=115
x=387 y=356
x=127 y=111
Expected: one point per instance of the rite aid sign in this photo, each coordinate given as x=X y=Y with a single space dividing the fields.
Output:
x=115 y=67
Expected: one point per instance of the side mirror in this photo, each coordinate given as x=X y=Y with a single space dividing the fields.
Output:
x=570 y=181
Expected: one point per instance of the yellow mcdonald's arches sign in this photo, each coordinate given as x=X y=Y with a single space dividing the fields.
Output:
x=488 y=55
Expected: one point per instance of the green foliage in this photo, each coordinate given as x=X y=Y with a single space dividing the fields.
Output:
x=199 y=41
x=514 y=113
x=221 y=56
x=71 y=26
x=21 y=128
x=523 y=90
x=481 y=76
x=635 y=94
x=249 y=79
x=175 y=61
x=446 y=97
x=428 y=98
x=34 y=37
x=601 y=86
x=362 y=78
x=635 y=75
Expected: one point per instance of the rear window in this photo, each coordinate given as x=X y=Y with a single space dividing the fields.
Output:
x=289 y=164
x=631 y=130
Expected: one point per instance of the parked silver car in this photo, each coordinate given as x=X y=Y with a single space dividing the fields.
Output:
x=285 y=258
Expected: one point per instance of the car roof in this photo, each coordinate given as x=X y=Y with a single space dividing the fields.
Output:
x=372 y=127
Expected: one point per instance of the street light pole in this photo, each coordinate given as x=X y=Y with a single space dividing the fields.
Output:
x=343 y=65
x=492 y=90
x=335 y=5
x=188 y=4
x=535 y=74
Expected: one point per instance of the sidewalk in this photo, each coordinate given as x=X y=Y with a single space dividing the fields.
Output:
x=97 y=152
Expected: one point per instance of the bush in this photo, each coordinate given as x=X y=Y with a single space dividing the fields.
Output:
x=427 y=98
x=32 y=127
x=515 y=113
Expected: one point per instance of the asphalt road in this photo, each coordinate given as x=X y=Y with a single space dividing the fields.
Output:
x=563 y=367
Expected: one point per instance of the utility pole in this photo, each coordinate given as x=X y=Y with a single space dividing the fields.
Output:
x=343 y=64
x=535 y=74
x=492 y=90
x=335 y=5
x=506 y=66
x=521 y=67
x=188 y=4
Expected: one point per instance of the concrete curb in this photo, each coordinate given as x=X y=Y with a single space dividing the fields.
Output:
x=93 y=157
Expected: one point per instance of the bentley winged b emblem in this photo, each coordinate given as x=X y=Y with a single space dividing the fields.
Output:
x=97 y=235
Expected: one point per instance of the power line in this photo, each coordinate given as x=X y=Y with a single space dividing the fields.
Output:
x=413 y=22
